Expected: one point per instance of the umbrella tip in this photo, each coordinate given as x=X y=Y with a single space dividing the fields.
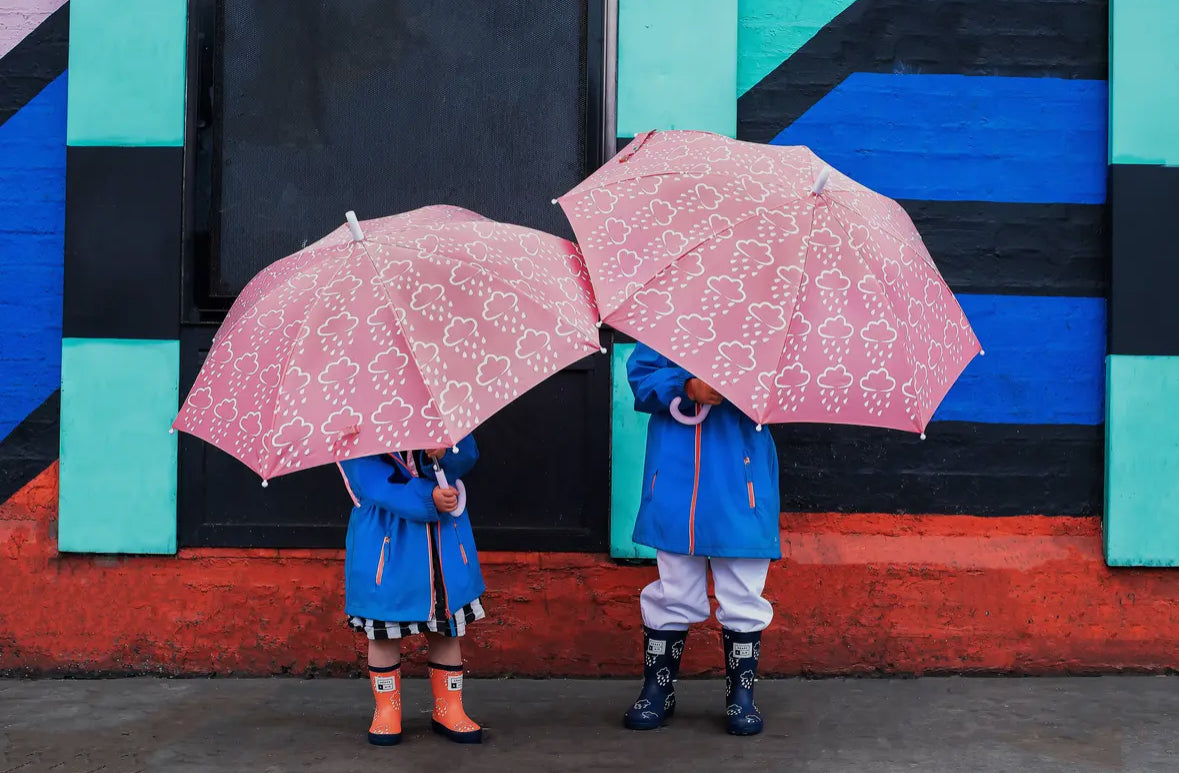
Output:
x=759 y=426
x=552 y=201
x=265 y=483
x=923 y=436
x=171 y=430
x=602 y=349
x=598 y=324
x=455 y=449
x=821 y=181
x=982 y=352
x=354 y=226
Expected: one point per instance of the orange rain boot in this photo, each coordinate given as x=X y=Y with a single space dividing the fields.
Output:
x=449 y=718
x=386 y=727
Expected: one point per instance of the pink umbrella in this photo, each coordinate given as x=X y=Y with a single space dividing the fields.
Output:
x=405 y=333
x=797 y=293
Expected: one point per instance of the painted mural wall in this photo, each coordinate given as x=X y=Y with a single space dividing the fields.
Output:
x=995 y=144
x=987 y=118
x=34 y=38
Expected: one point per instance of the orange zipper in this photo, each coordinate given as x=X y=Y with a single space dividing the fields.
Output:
x=381 y=563
x=654 y=478
x=749 y=483
x=462 y=550
x=695 y=492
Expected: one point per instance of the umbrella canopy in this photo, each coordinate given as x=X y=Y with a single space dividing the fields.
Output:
x=399 y=333
x=797 y=293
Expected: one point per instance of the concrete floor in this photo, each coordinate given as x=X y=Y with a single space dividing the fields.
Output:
x=1080 y=725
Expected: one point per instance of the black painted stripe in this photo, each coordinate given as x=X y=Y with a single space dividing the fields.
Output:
x=961 y=468
x=35 y=62
x=123 y=242
x=1014 y=38
x=30 y=448
x=1143 y=311
x=1016 y=249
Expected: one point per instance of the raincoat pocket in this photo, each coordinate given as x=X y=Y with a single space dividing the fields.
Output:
x=459 y=539
x=749 y=484
x=381 y=560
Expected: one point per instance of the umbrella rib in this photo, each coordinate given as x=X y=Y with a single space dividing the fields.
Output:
x=405 y=337
x=486 y=272
x=299 y=272
x=278 y=392
x=908 y=341
x=882 y=227
x=608 y=183
x=797 y=299
x=671 y=263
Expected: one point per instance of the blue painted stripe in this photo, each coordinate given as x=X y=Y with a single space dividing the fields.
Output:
x=1044 y=363
x=963 y=138
x=32 y=247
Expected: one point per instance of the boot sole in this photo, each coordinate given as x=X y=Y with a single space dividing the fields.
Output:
x=663 y=722
x=377 y=739
x=474 y=736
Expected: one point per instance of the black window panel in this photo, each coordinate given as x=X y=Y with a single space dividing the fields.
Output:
x=302 y=111
x=380 y=107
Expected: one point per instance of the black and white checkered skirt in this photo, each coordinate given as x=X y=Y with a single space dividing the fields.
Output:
x=456 y=625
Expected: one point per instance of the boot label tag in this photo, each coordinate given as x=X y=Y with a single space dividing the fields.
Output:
x=657 y=647
x=742 y=649
x=386 y=683
x=454 y=683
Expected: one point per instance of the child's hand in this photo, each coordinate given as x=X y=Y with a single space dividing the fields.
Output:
x=445 y=499
x=436 y=453
x=701 y=393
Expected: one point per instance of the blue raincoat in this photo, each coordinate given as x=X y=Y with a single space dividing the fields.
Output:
x=404 y=558
x=708 y=490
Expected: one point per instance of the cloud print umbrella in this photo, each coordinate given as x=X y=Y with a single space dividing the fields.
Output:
x=796 y=292
x=400 y=333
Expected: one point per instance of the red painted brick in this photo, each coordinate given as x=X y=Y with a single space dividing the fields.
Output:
x=856 y=594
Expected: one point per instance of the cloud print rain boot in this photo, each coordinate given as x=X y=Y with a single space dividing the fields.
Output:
x=386 y=727
x=661 y=663
x=450 y=719
x=742 y=651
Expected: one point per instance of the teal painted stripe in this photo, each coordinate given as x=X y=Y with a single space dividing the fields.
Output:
x=1142 y=461
x=628 y=447
x=118 y=460
x=1144 y=82
x=127 y=72
x=677 y=66
x=770 y=31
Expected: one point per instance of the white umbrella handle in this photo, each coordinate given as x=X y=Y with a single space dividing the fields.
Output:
x=683 y=418
x=458 y=486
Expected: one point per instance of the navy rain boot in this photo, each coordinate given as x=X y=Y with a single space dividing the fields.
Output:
x=661 y=662
x=741 y=653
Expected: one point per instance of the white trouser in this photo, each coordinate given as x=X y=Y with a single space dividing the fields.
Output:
x=680 y=596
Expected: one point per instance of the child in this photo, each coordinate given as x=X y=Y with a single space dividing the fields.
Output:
x=411 y=567
x=710 y=498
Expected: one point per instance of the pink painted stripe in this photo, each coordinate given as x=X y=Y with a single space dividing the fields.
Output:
x=20 y=17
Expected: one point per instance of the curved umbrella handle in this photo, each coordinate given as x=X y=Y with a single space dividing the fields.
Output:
x=683 y=418
x=458 y=486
